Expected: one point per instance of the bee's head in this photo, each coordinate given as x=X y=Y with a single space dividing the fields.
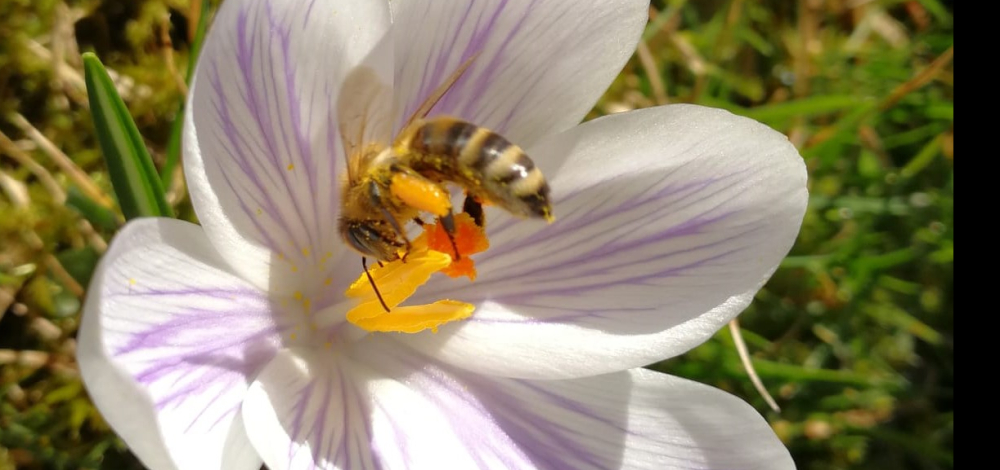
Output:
x=374 y=238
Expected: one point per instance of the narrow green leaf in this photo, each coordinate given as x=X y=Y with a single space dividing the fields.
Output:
x=174 y=143
x=673 y=8
x=199 y=38
x=95 y=213
x=924 y=157
x=132 y=173
x=813 y=106
x=777 y=370
x=173 y=148
x=938 y=10
x=79 y=263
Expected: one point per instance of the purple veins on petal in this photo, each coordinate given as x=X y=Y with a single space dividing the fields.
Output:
x=459 y=403
x=237 y=152
x=259 y=99
x=603 y=258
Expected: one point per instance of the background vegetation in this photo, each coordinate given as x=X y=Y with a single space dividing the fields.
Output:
x=853 y=335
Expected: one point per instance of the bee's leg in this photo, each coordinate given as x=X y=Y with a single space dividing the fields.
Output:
x=448 y=222
x=375 y=194
x=418 y=221
x=399 y=231
x=474 y=208
x=364 y=264
x=407 y=242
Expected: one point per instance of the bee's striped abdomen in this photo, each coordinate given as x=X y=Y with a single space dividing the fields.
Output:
x=484 y=162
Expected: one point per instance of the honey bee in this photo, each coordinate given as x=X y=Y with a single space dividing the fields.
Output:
x=389 y=185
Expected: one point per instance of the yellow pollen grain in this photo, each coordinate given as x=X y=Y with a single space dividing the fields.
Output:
x=327 y=345
x=292 y=336
x=313 y=327
x=295 y=268
x=291 y=166
x=298 y=295
x=131 y=282
x=259 y=211
x=305 y=252
x=328 y=281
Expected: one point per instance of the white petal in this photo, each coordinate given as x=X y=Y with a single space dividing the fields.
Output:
x=662 y=215
x=305 y=411
x=542 y=64
x=169 y=340
x=383 y=406
x=312 y=409
x=631 y=420
x=262 y=149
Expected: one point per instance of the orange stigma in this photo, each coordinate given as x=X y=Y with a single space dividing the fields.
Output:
x=469 y=239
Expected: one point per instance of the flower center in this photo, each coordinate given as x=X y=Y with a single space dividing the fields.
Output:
x=429 y=253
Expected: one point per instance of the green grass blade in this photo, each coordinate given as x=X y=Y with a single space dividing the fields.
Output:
x=927 y=154
x=173 y=148
x=813 y=106
x=130 y=168
x=174 y=143
x=96 y=214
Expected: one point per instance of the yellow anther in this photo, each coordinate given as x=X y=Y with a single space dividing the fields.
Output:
x=397 y=281
x=410 y=319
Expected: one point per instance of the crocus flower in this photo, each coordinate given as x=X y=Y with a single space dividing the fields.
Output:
x=225 y=345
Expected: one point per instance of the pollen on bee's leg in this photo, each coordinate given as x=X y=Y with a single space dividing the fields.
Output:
x=469 y=238
x=420 y=193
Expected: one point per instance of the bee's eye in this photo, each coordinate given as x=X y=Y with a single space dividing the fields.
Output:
x=364 y=239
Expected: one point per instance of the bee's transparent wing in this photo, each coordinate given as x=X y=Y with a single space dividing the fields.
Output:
x=436 y=95
x=364 y=110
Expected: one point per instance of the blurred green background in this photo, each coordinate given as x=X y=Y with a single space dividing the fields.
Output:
x=853 y=336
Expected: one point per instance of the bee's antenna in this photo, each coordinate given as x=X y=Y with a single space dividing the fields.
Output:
x=364 y=264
